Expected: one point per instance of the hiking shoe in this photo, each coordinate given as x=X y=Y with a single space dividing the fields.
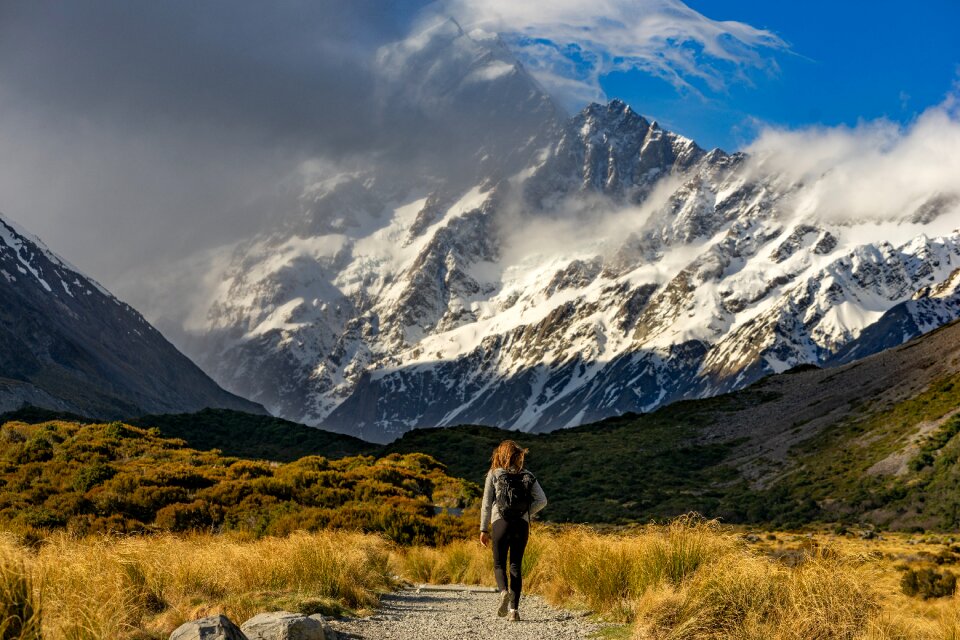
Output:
x=513 y=615
x=504 y=603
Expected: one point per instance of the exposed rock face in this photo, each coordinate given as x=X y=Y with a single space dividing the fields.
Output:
x=598 y=265
x=283 y=625
x=212 y=628
x=67 y=344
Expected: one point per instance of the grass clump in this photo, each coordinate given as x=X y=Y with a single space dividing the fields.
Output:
x=928 y=583
x=743 y=596
x=19 y=603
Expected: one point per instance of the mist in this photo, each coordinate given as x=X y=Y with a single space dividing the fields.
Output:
x=876 y=171
x=135 y=134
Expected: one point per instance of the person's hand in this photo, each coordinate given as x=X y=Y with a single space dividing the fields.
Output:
x=484 y=538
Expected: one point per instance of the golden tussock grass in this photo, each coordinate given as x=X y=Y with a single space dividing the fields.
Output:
x=147 y=586
x=690 y=579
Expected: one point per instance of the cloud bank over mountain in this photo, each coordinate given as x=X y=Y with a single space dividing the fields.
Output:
x=877 y=170
x=570 y=45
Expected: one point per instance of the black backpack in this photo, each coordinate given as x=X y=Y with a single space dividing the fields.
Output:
x=514 y=493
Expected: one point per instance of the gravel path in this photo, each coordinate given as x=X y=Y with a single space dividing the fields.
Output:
x=456 y=615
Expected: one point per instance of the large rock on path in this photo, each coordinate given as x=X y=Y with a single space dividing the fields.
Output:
x=283 y=625
x=212 y=628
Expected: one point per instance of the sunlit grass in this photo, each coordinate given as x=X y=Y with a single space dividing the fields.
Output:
x=690 y=578
x=118 y=587
x=695 y=579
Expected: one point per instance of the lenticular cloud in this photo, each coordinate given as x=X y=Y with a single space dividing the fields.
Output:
x=569 y=44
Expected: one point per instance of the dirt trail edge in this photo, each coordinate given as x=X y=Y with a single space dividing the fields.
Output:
x=456 y=614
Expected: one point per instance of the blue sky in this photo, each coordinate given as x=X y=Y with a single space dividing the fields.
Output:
x=848 y=62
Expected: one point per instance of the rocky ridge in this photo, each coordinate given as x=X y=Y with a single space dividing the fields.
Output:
x=605 y=266
x=67 y=344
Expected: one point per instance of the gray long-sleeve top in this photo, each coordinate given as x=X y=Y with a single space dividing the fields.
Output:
x=488 y=510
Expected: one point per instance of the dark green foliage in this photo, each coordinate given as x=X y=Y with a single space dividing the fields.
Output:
x=36 y=449
x=935 y=442
x=91 y=475
x=624 y=469
x=928 y=583
x=246 y=435
x=35 y=415
x=638 y=468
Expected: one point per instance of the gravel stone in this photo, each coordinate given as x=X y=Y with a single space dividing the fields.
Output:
x=448 y=615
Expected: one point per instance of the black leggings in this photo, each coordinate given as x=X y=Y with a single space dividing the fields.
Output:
x=509 y=536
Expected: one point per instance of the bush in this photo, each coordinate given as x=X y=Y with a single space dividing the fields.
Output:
x=197 y=515
x=249 y=469
x=91 y=475
x=119 y=478
x=928 y=583
x=37 y=449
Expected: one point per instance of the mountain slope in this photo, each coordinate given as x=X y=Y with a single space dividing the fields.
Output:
x=874 y=440
x=581 y=269
x=870 y=441
x=257 y=437
x=67 y=344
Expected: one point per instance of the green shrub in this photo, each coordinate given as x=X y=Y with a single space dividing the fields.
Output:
x=91 y=475
x=928 y=583
x=116 y=478
x=934 y=443
x=249 y=469
x=36 y=449
x=195 y=516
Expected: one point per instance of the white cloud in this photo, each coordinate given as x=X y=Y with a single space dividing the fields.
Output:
x=878 y=170
x=570 y=44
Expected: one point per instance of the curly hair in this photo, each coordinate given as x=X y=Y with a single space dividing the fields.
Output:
x=508 y=455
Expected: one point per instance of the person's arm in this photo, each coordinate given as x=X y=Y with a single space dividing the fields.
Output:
x=487 y=504
x=539 y=498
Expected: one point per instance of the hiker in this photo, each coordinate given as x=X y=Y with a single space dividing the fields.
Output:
x=511 y=495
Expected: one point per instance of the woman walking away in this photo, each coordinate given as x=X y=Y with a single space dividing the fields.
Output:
x=511 y=495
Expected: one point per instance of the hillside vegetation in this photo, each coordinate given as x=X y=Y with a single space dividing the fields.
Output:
x=620 y=470
x=896 y=467
x=873 y=441
x=89 y=478
x=248 y=435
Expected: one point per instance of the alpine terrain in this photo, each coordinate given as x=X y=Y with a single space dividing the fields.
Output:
x=68 y=344
x=563 y=270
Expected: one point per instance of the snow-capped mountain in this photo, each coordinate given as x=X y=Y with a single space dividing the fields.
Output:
x=68 y=344
x=587 y=267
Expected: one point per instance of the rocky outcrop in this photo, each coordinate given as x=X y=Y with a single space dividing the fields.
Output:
x=212 y=628
x=283 y=625
x=276 y=625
